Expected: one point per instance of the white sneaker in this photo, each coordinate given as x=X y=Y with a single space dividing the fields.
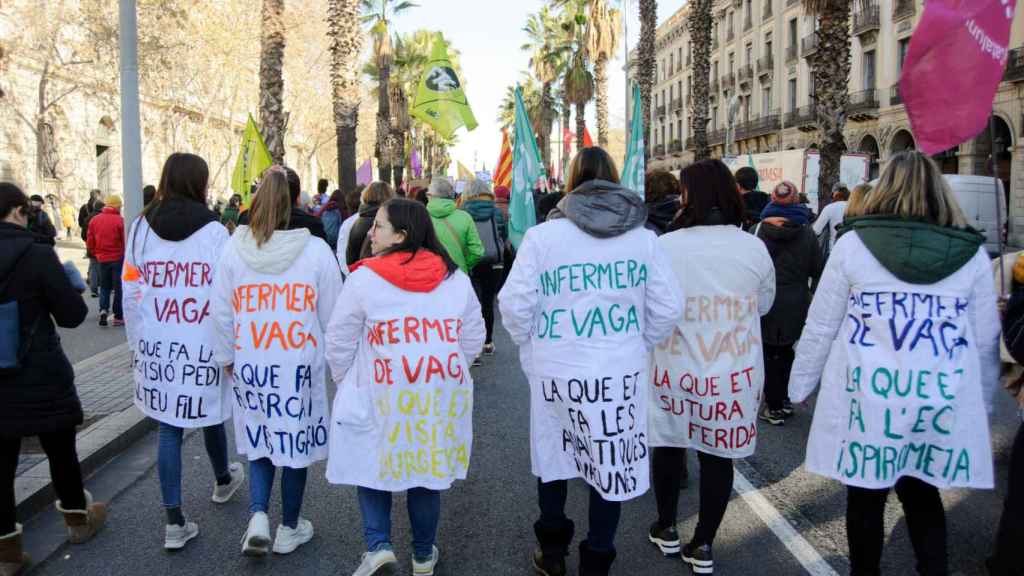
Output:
x=256 y=541
x=288 y=539
x=426 y=568
x=175 y=537
x=222 y=494
x=374 y=561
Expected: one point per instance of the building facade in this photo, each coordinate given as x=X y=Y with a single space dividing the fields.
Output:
x=759 y=57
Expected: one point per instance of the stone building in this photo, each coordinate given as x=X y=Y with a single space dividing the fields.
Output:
x=759 y=50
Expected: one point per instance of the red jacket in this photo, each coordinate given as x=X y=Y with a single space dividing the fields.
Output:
x=105 y=239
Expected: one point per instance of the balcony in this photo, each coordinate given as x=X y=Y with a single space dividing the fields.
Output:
x=760 y=126
x=809 y=45
x=661 y=111
x=677 y=105
x=894 y=95
x=767 y=12
x=866 y=20
x=675 y=146
x=716 y=137
x=903 y=9
x=745 y=74
x=659 y=150
x=728 y=81
x=863 y=105
x=804 y=118
x=790 y=54
x=1014 y=66
x=765 y=65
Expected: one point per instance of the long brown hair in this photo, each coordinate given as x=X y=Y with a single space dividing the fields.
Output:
x=709 y=187
x=591 y=164
x=272 y=208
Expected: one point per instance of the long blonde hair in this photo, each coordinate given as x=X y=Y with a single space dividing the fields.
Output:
x=912 y=187
x=857 y=196
x=272 y=208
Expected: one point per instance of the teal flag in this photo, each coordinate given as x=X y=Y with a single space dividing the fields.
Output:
x=526 y=168
x=633 y=168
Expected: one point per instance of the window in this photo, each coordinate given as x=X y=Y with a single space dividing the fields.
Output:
x=750 y=54
x=792 y=32
x=768 y=47
x=732 y=62
x=869 y=70
x=766 y=100
x=679 y=129
x=729 y=28
x=901 y=53
x=671 y=93
x=749 y=11
x=792 y=94
x=671 y=63
x=714 y=117
x=746 y=109
x=671 y=134
x=679 y=59
x=662 y=134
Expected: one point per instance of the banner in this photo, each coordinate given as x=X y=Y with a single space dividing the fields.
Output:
x=953 y=68
x=440 y=101
x=526 y=170
x=253 y=159
x=633 y=170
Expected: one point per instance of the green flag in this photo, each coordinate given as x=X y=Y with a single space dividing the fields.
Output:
x=633 y=168
x=526 y=169
x=253 y=159
x=440 y=101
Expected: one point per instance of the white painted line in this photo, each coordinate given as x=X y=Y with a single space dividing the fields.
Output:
x=800 y=548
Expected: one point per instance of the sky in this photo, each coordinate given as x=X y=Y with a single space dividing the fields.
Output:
x=488 y=34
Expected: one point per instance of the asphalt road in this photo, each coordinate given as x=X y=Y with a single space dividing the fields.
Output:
x=486 y=525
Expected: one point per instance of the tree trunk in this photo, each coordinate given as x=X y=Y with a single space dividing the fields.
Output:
x=272 y=114
x=544 y=133
x=347 y=153
x=830 y=66
x=601 y=82
x=566 y=113
x=646 y=63
x=346 y=37
x=581 y=124
x=398 y=160
x=699 y=24
x=384 y=125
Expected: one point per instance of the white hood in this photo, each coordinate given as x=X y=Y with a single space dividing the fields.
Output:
x=275 y=256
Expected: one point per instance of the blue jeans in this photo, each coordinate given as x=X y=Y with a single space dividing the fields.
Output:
x=110 y=280
x=293 y=487
x=424 y=514
x=169 y=458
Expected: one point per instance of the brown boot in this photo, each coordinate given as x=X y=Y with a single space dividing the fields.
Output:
x=12 y=559
x=84 y=524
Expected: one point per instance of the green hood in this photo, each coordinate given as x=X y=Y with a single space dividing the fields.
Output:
x=441 y=207
x=916 y=252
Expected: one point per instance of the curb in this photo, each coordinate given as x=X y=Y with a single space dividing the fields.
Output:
x=96 y=445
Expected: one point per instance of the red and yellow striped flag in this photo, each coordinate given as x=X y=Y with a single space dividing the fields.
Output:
x=503 y=174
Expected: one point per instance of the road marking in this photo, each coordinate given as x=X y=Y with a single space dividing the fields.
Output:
x=800 y=548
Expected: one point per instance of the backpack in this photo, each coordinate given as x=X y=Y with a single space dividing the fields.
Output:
x=489 y=237
x=12 y=348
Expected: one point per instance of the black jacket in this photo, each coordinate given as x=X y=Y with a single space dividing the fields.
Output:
x=358 y=242
x=299 y=219
x=661 y=214
x=797 y=258
x=41 y=397
x=753 y=203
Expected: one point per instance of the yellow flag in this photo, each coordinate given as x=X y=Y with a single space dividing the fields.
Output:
x=253 y=159
x=440 y=101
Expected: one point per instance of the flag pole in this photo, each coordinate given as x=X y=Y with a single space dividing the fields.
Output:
x=1000 y=225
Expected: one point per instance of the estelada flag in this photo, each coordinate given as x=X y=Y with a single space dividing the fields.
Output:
x=503 y=174
x=253 y=159
x=953 y=68
x=440 y=101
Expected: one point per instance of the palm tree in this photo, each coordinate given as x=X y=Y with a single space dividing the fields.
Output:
x=830 y=67
x=579 y=89
x=548 y=59
x=377 y=14
x=533 y=100
x=273 y=118
x=346 y=37
x=646 y=62
x=604 y=27
x=699 y=24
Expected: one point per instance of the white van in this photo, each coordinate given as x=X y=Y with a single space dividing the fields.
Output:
x=977 y=196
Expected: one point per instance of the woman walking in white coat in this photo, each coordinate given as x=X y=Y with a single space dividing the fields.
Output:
x=273 y=294
x=171 y=255
x=589 y=296
x=708 y=376
x=400 y=344
x=907 y=307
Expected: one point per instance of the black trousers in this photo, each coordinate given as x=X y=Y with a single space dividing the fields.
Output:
x=716 y=473
x=603 y=516
x=778 y=361
x=926 y=521
x=1006 y=559
x=486 y=281
x=64 y=470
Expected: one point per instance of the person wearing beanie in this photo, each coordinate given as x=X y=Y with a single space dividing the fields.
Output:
x=455 y=228
x=501 y=197
x=785 y=203
x=105 y=241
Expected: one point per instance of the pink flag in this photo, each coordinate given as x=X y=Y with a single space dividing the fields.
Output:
x=365 y=173
x=953 y=68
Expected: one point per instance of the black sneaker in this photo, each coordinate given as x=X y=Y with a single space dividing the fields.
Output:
x=103 y=318
x=699 y=558
x=773 y=417
x=666 y=539
x=548 y=565
x=95 y=295
x=787 y=408
x=489 y=349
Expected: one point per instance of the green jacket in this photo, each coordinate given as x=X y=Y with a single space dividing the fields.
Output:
x=464 y=245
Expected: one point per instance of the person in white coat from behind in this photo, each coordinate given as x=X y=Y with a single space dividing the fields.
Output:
x=273 y=294
x=903 y=334
x=588 y=298
x=400 y=345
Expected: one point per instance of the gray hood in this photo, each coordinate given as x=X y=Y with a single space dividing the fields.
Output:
x=276 y=255
x=602 y=209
